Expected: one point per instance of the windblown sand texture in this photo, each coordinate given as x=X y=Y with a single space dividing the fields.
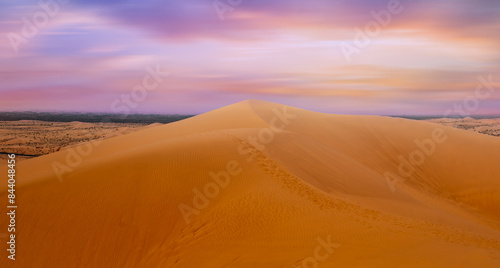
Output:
x=316 y=177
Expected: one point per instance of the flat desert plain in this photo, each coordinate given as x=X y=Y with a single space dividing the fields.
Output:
x=486 y=126
x=31 y=138
x=259 y=184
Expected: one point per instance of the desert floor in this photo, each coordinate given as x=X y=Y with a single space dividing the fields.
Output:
x=484 y=126
x=259 y=184
x=29 y=138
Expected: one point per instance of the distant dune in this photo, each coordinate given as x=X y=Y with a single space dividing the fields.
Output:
x=259 y=184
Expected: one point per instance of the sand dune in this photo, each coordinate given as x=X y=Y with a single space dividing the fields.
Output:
x=259 y=184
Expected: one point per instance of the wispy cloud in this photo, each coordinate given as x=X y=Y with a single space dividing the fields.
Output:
x=285 y=50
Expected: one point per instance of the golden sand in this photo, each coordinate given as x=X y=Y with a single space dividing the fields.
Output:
x=259 y=184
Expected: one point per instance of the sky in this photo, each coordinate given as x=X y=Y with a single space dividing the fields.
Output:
x=385 y=57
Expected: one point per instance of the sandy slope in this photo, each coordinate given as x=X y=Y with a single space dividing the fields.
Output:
x=313 y=190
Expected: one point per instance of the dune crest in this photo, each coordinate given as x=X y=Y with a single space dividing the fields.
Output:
x=260 y=184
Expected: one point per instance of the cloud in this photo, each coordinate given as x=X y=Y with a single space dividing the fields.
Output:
x=430 y=54
x=178 y=19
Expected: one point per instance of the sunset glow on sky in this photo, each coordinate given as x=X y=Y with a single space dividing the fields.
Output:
x=424 y=59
